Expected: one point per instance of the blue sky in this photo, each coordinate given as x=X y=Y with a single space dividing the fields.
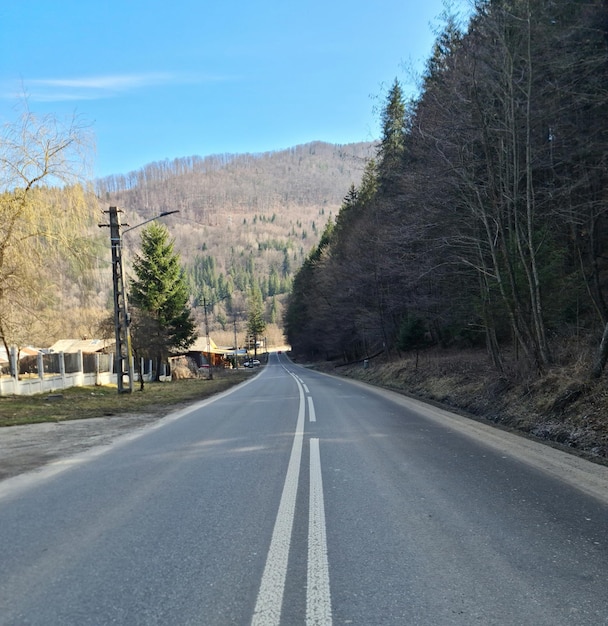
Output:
x=163 y=79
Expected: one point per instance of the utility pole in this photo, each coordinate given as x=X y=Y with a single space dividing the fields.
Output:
x=236 y=348
x=209 y=358
x=209 y=355
x=123 y=351
x=123 y=354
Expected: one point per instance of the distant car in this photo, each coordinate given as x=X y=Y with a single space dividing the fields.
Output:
x=252 y=363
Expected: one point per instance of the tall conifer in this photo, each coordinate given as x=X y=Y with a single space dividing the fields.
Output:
x=392 y=142
x=160 y=293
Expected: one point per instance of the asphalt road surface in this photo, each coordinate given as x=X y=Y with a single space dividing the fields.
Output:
x=299 y=498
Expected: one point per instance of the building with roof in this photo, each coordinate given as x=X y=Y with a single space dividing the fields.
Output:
x=86 y=346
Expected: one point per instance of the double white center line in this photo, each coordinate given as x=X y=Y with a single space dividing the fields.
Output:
x=270 y=596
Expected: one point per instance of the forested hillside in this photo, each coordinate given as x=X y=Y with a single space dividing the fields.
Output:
x=482 y=220
x=470 y=266
x=243 y=220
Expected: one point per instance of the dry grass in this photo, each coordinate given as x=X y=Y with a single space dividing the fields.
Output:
x=87 y=402
x=564 y=406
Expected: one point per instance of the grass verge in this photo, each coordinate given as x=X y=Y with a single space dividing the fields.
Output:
x=86 y=402
x=563 y=407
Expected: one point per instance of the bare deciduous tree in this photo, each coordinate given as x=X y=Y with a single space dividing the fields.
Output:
x=36 y=153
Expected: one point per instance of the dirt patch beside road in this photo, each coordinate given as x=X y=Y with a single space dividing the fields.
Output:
x=28 y=447
x=43 y=431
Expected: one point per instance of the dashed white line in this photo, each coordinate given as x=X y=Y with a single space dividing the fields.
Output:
x=312 y=417
x=318 y=596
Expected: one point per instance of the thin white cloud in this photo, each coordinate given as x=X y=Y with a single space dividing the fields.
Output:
x=96 y=87
x=106 y=83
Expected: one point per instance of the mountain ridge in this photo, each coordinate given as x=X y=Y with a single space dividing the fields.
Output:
x=287 y=194
x=246 y=219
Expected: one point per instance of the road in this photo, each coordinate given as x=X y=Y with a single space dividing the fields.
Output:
x=299 y=498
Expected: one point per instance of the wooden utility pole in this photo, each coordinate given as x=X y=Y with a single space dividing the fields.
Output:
x=123 y=354
x=209 y=358
x=236 y=349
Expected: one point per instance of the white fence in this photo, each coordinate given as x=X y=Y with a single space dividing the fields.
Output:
x=31 y=386
x=46 y=373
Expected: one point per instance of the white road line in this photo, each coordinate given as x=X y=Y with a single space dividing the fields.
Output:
x=306 y=388
x=270 y=596
x=312 y=417
x=318 y=596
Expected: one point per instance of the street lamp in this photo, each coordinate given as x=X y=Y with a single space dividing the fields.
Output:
x=151 y=219
x=123 y=352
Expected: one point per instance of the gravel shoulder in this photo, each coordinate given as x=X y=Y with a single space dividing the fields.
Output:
x=31 y=446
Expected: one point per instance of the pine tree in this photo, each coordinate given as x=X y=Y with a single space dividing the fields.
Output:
x=392 y=142
x=163 y=321
x=286 y=266
x=256 y=324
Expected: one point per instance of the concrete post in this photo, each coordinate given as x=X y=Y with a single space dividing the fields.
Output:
x=40 y=359
x=14 y=362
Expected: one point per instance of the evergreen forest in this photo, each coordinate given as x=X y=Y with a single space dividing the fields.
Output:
x=481 y=220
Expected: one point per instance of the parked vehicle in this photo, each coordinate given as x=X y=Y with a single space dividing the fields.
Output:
x=252 y=363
